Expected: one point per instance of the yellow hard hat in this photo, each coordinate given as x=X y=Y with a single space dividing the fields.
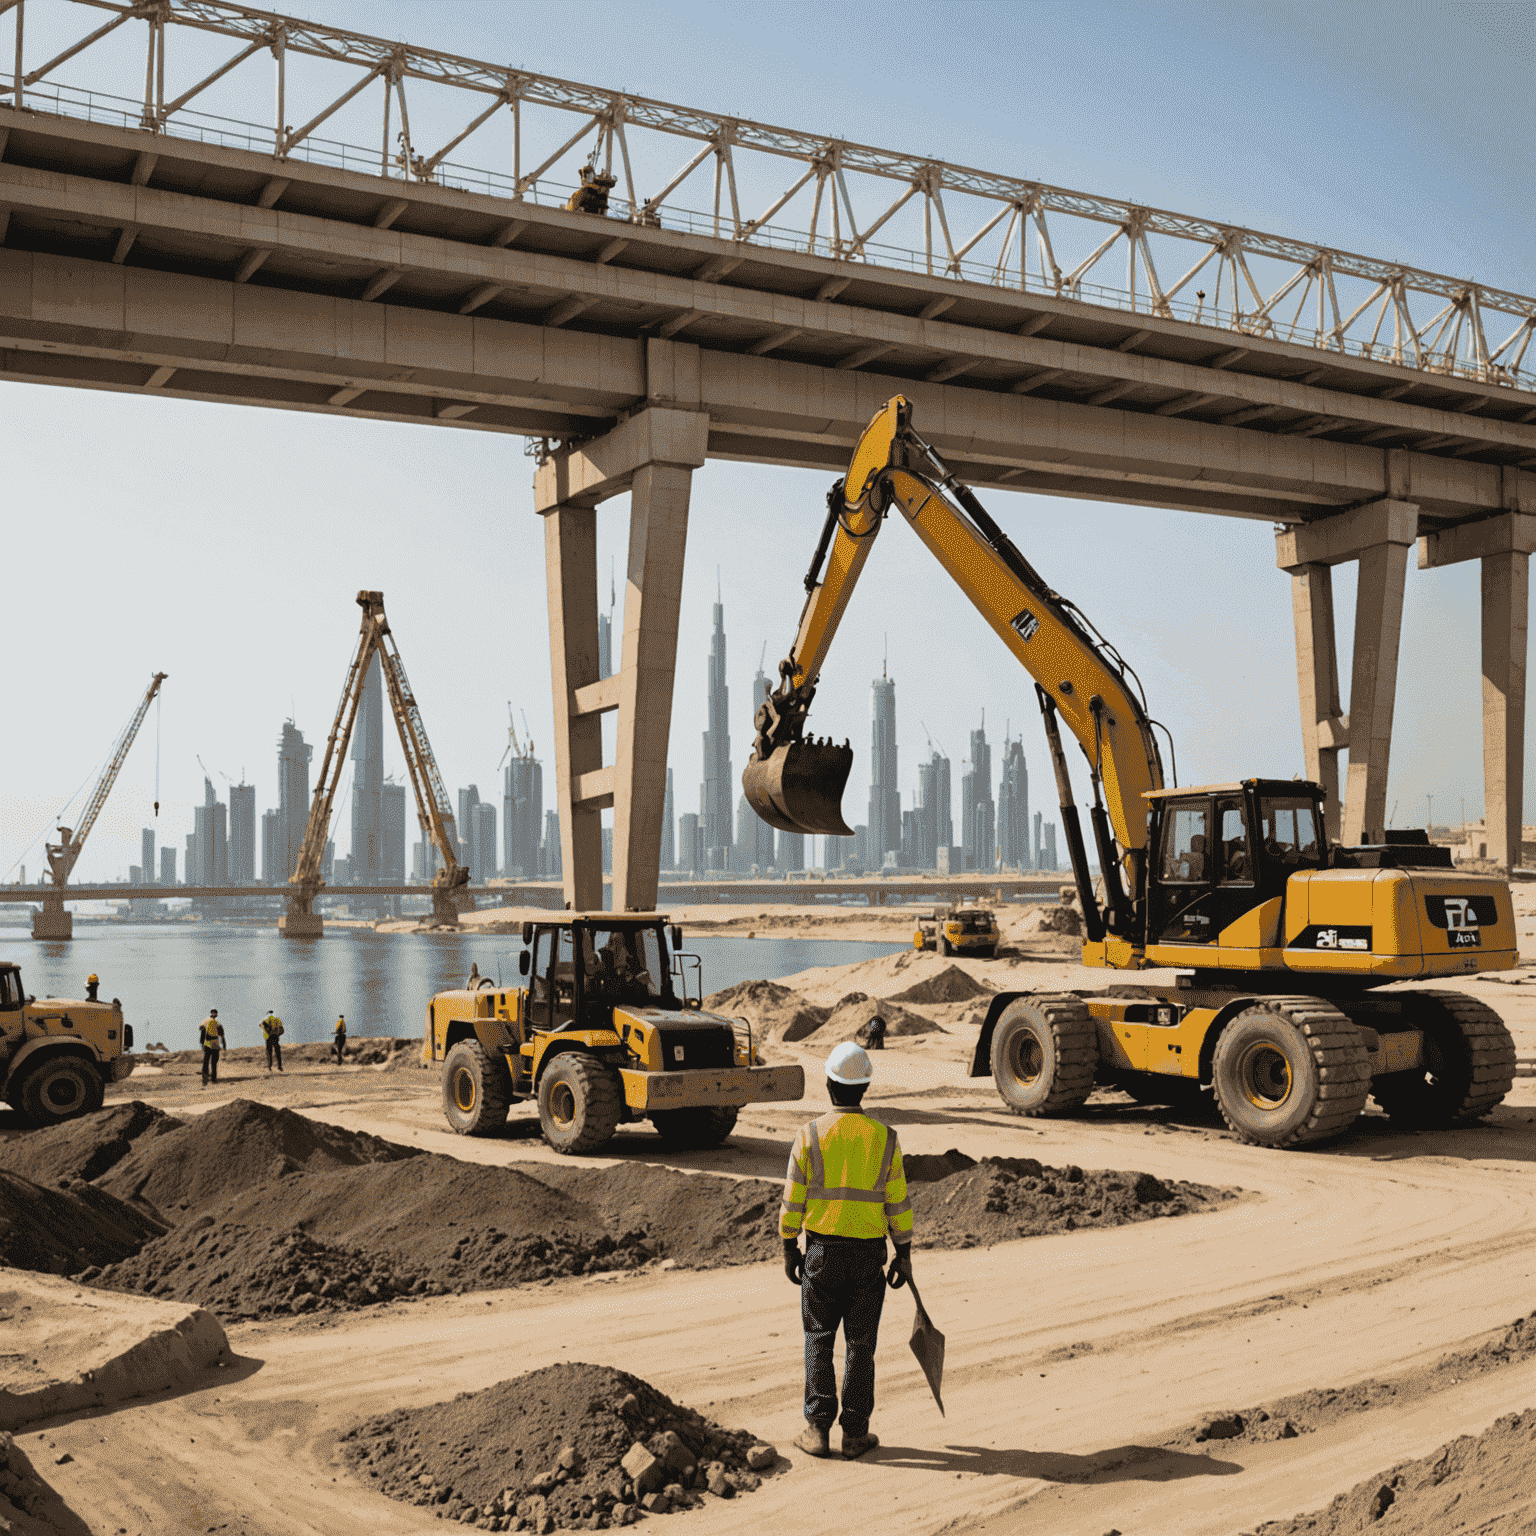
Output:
x=93 y=977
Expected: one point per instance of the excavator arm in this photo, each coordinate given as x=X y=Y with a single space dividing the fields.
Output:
x=796 y=784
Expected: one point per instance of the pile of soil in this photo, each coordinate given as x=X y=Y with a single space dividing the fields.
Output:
x=28 y=1505
x=242 y=1273
x=564 y=1446
x=60 y=1231
x=85 y=1148
x=1063 y=921
x=951 y=985
x=1475 y=1483
x=853 y=1012
x=1003 y=1198
x=775 y=1012
x=232 y=1148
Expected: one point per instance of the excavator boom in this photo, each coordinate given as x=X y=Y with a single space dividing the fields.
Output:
x=796 y=783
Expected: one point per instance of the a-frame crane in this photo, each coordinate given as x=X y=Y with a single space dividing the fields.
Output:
x=52 y=921
x=432 y=805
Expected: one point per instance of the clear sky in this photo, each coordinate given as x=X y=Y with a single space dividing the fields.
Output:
x=225 y=545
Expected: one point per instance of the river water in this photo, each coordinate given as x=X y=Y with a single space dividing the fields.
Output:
x=169 y=975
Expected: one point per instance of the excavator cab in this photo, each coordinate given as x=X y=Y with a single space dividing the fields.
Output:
x=1221 y=850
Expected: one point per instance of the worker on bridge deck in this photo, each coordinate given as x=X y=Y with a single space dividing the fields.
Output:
x=847 y=1189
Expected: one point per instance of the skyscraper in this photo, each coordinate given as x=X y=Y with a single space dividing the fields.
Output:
x=293 y=755
x=669 y=829
x=485 y=842
x=551 y=858
x=167 y=866
x=242 y=834
x=272 y=848
x=884 y=796
x=715 y=795
x=147 y=858
x=935 y=824
x=468 y=828
x=522 y=816
x=754 y=837
x=791 y=851
x=979 y=825
x=690 y=836
x=1049 y=851
x=367 y=856
x=1039 y=850
x=1013 y=843
x=210 y=839
x=392 y=839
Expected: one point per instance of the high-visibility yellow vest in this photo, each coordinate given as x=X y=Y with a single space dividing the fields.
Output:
x=845 y=1179
x=210 y=1034
x=272 y=1027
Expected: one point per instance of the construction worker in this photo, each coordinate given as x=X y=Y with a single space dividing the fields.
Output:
x=92 y=982
x=272 y=1033
x=341 y=1037
x=211 y=1033
x=846 y=1188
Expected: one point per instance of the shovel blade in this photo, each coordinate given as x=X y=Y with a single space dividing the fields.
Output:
x=799 y=787
x=928 y=1345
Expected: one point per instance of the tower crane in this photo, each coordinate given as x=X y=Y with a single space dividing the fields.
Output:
x=432 y=805
x=53 y=922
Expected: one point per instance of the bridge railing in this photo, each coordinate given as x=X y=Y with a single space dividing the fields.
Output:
x=833 y=199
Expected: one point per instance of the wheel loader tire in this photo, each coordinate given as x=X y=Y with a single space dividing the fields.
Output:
x=1469 y=1064
x=580 y=1102
x=1045 y=1051
x=476 y=1090
x=1290 y=1071
x=61 y=1088
x=704 y=1126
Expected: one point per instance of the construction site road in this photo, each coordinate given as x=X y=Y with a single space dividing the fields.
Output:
x=1074 y=1360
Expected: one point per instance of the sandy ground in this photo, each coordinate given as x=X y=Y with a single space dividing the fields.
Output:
x=1072 y=1359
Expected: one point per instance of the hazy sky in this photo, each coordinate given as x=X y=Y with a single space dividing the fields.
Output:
x=225 y=545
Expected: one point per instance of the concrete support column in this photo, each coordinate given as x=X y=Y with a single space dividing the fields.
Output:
x=1377 y=536
x=653 y=455
x=658 y=534
x=1503 y=545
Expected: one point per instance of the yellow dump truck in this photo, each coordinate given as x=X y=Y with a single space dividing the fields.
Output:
x=58 y=1055
x=606 y=1031
x=963 y=929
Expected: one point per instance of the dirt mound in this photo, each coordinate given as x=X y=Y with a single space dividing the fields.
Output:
x=1476 y=1482
x=1045 y=921
x=60 y=1231
x=929 y=1168
x=28 y=1505
x=560 y=1446
x=233 y=1148
x=240 y=1273
x=853 y=1012
x=951 y=985
x=1003 y=1198
x=85 y=1148
x=775 y=1012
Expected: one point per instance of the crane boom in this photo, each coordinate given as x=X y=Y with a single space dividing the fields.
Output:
x=63 y=854
x=432 y=805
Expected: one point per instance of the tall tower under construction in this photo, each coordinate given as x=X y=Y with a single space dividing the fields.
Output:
x=367 y=860
x=716 y=800
x=884 y=796
x=293 y=754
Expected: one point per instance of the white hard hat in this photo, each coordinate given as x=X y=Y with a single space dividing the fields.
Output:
x=849 y=1065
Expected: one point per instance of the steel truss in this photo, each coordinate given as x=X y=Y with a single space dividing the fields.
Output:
x=1301 y=293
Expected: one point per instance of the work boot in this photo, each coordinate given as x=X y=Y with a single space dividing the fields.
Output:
x=815 y=1440
x=855 y=1446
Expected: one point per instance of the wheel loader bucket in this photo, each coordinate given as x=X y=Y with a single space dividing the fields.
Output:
x=799 y=787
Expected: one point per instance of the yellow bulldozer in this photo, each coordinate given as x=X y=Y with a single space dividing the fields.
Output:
x=609 y=1029
x=1281 y=940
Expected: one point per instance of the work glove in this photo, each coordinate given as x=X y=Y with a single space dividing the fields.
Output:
x=794 y=1262
x=901 y=1267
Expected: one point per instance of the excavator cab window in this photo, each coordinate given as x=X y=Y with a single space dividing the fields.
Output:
x=624 y=965
x=1290 y=832
x=1186 y=836
x=1236 y=860
x=552 y=986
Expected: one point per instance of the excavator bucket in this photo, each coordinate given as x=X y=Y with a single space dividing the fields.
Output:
x=799 y=787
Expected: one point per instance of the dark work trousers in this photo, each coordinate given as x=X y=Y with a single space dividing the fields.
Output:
x=210 y=1063
x=341 y=1045
x=843 y=1283
x=274 y=1054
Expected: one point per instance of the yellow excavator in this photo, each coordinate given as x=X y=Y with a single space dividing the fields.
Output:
x=1280 y=941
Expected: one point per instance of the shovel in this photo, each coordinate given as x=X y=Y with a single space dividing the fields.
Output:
x=928 y=1345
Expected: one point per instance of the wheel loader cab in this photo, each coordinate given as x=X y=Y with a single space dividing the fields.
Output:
x=1222 y=850
x=581 y=971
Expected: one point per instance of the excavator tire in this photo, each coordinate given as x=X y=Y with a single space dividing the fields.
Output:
x=1290 y=1071
x=580 y=1102
x=1045 y=1051
x=60 y=1088
x=476 y=1090
x=704 y=1126
x=1469 y=1063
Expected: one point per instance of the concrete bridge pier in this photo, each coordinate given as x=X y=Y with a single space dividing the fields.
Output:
x=652 y=455
x=1378 y=536
x=53 y=920
x=1504 y=545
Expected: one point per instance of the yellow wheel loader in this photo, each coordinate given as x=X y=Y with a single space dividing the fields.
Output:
x=57 y=1056
x=607 y=1030
x=1281 y=940
x=963 y=929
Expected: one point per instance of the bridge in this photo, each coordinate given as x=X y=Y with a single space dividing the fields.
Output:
x=152 y=244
